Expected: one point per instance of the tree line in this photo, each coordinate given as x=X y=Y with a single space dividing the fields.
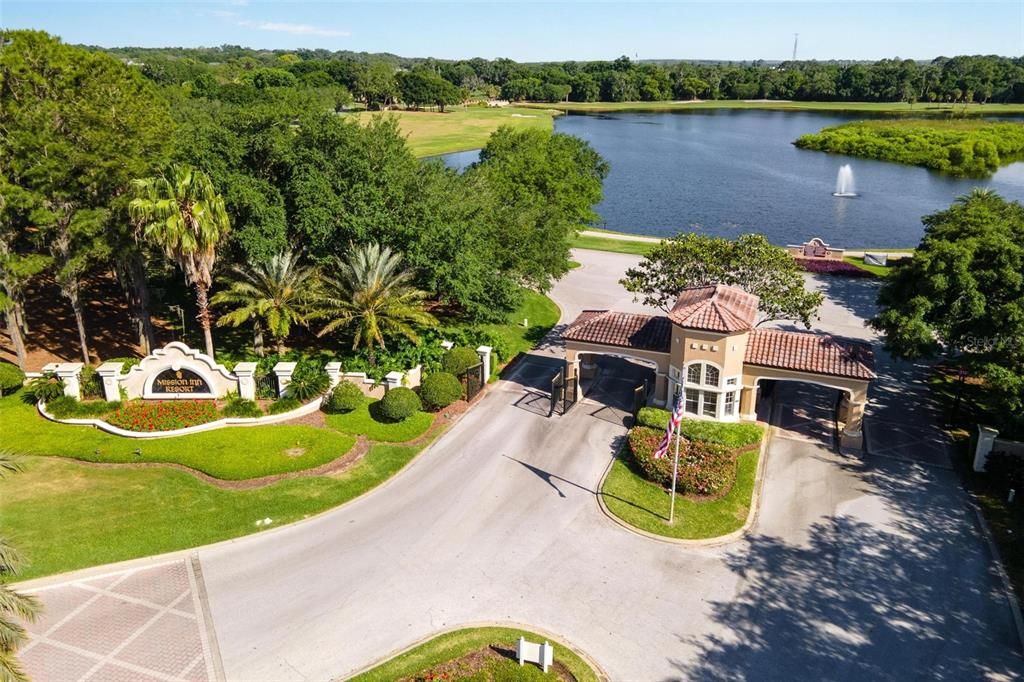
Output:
x=93 y=155
x=380 y=80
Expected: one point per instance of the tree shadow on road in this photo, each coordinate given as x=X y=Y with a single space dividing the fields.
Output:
x=916 y=597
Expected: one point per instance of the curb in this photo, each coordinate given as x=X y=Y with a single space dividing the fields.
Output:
x=511 y=624
x=1004 y=578
x=728 y=538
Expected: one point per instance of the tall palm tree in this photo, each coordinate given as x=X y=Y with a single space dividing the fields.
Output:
x=12 y=604
x=182 y=213
x=372 y=294
x=274 y=294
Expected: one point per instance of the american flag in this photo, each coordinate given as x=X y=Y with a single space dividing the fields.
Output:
x=673 y=424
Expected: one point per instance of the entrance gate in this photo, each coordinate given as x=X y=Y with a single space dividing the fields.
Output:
x=563 y=392
x=472 y=381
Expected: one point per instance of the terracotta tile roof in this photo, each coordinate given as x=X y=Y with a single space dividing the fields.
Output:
x=626 y=330
x=717 y=308
x=808 y=352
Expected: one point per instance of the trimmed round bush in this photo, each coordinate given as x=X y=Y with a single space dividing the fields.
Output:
x=440 y=389
x=704 y=468
x=399 y=404
x=459 y=359
x=11 y=378
x=345 y=397
x=90 y=384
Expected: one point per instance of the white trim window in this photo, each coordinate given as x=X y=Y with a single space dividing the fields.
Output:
x=707 y=396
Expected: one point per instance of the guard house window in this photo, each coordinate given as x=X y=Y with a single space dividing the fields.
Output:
x=730 y=404
x=693 y=401
x=710 y=403
x=693 y=373
x=711 y=375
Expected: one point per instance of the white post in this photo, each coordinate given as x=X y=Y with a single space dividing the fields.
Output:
x=109 y=373
x=447 y=345
x=986 y=439
x=547 y=655
x=69 y=373
x=246 y=373
x=521 y=650
x=393 y=379
x=284 y=371
x=333 y=370
x=485 y=357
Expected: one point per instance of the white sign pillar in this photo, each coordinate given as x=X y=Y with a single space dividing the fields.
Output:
x=284 y=371
x=109 y=373
x=530 y=652
x=246 y=373
x=393 y=379
x=485 y=357
x=69 y=373
x=333 y=370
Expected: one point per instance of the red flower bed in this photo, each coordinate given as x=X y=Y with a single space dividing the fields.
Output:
x=704 y=468
x=167 y=415
x=832 y=267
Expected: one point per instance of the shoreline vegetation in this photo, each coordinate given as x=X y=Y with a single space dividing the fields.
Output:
x=599 y=239
x=973 y=148
x=901 y=108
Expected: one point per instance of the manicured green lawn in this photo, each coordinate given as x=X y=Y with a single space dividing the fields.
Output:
x=876 y=270
x=232 y=453
x=574 y=264
x=637 y=248
x=366 y=421
x=461 y=128
x=541 y=314
x=645 y=505
x=453 y=645
x=876 y=107
x=63 y=515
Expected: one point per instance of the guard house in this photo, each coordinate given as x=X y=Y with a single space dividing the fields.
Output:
x=707 y=348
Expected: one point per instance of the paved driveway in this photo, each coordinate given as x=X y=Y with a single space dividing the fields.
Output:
x=856 y=568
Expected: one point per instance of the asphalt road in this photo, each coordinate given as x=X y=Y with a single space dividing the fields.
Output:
x=856 y=569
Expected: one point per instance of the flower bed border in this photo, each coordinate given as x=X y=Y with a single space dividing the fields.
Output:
x=300 y=411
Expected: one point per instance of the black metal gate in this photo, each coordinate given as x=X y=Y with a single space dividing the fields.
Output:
x=563 y=392
x=472 y=381
x=266 y=386
x=570 y=393
x=639 y=398
x=557 y=388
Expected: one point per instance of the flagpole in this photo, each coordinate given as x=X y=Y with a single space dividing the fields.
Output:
x=675 y=471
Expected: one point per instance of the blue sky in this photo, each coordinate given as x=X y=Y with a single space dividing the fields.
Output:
x=535 y=31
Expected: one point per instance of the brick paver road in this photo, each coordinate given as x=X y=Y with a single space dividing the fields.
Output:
x=143 y=625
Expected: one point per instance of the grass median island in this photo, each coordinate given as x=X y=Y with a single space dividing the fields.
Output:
x=230 y=453
x=629 y=494
x=968 y=147
x=634 y=247
x=64 y=515
x=431 y=133
x=478 y=654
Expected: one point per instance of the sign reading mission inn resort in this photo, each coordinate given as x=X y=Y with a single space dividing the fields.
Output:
x=179 y=382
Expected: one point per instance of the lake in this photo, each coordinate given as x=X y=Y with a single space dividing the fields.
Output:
x=728 y=172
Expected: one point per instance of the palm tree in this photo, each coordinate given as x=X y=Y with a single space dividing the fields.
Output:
x=373 y=295
x=182 y=213
x=274 y=294
x=12 y=604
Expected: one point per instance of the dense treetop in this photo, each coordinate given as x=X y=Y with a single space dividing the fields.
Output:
x=967 y=78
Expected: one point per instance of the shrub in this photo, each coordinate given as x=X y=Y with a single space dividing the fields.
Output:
x=833 y=267
x=239 y=407
x=1006 y=470
x=399 y=404
x=308 y=382
x=126 y=363
x=704 y=468
x=459 y=359
x=11 y=378
x=45 y=388
x=345 y=397
x=731 y=435
x=286 y=404
x=139 y=415
x=91 y=383
x=65 y=407
x=440 y=389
